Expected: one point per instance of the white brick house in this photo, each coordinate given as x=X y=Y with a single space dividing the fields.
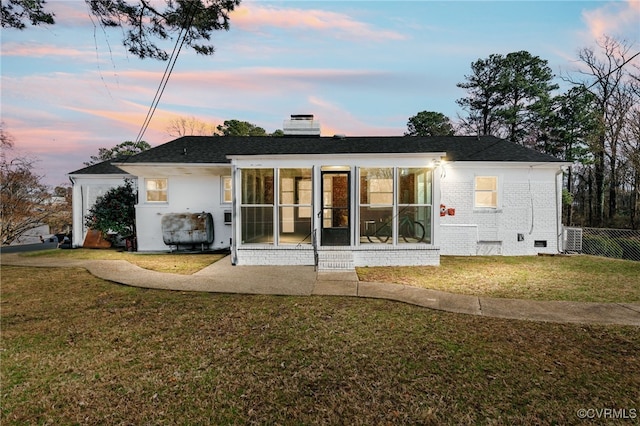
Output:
x=301 y=199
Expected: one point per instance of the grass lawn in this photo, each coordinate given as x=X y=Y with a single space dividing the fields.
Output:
x=574 y=278
x=78 y=350
x=579 y=278
x=162 y=262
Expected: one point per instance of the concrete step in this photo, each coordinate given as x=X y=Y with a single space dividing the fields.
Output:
x=335 y=260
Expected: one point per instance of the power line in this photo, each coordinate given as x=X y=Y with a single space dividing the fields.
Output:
x=599 y=79
x=167 y=73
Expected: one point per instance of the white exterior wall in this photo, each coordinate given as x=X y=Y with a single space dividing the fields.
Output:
x=529 y=197
x=528 y=204
x=383 y=255
x=272 y=255
x=86 y=190
x=185 y=194
x=405 y=255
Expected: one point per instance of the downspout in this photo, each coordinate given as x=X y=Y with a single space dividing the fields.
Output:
x=559 y=230
x=234 y=216
x=73 y=203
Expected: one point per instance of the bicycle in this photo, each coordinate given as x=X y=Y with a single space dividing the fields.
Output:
x=409 y=230
x=383 y=233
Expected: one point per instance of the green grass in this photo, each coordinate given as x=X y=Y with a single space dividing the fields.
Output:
x=177 y=263
x=575 y=278
x=78 y=350
x=579 y=278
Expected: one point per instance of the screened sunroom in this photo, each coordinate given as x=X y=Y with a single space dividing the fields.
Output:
x=290 y=209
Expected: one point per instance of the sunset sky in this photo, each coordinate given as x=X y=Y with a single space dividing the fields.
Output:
x=362 y=67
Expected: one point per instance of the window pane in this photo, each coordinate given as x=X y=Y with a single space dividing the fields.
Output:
x=381 y=198
x=295 y=211
x=375 y=225
x=486 y=194
x=226 y=189
x=415 y=186
x=295 y=227
x=376 y=186
x=295 y=186
x=257 y=225
x=157 y=196
x=156 y=190
x=304 y=194
x=257 y=186
x=414 y=225
x=486 y=199
x=486 y=183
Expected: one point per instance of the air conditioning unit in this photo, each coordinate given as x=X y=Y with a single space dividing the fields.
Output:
x=573 y=239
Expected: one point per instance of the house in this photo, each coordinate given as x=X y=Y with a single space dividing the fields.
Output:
x=302 y=199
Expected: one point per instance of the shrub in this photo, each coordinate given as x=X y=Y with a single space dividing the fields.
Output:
x=600 y=246
x=114 y=212
x=630 y=248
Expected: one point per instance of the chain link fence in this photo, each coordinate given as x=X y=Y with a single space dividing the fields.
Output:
x=617 y=243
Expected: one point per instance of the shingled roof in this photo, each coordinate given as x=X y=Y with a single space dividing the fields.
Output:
x=215 y=150
x=103 y=168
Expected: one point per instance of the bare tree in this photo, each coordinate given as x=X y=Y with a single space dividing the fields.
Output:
x=25 y=202
x=606 y=76
x=6 y=140
x=189 y=126
x=631 y=151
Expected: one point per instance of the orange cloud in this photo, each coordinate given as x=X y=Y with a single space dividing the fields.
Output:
x=615 y=18
x=70 y=13
x=253 y=17
x=36 y=50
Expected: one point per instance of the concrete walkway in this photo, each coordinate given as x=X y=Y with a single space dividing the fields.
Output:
x=222 y=277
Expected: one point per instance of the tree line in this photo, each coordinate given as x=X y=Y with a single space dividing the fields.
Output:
x=595 y=124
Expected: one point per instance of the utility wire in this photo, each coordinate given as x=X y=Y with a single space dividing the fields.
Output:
x=167 y=73
x=160 y=89
x=598 y=79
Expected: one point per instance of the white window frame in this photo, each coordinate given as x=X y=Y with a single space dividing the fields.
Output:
x=428 y=189
x=377 y=190
x=290 y=198
x=495 y=191
x=147 y=191
x=224 y=191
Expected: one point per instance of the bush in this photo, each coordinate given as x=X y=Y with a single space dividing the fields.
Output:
x=630 y=248
x=114 y=212
x=600 y=246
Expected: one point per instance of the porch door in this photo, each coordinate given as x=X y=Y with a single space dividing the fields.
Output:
x=336 y=215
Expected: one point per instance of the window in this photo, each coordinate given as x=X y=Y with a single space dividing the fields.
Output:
x=226 y=190
x=486 y=192
x=156 y=190
x=376 y=205
x=414 y=205
x=294 y=206
x=257 y=205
